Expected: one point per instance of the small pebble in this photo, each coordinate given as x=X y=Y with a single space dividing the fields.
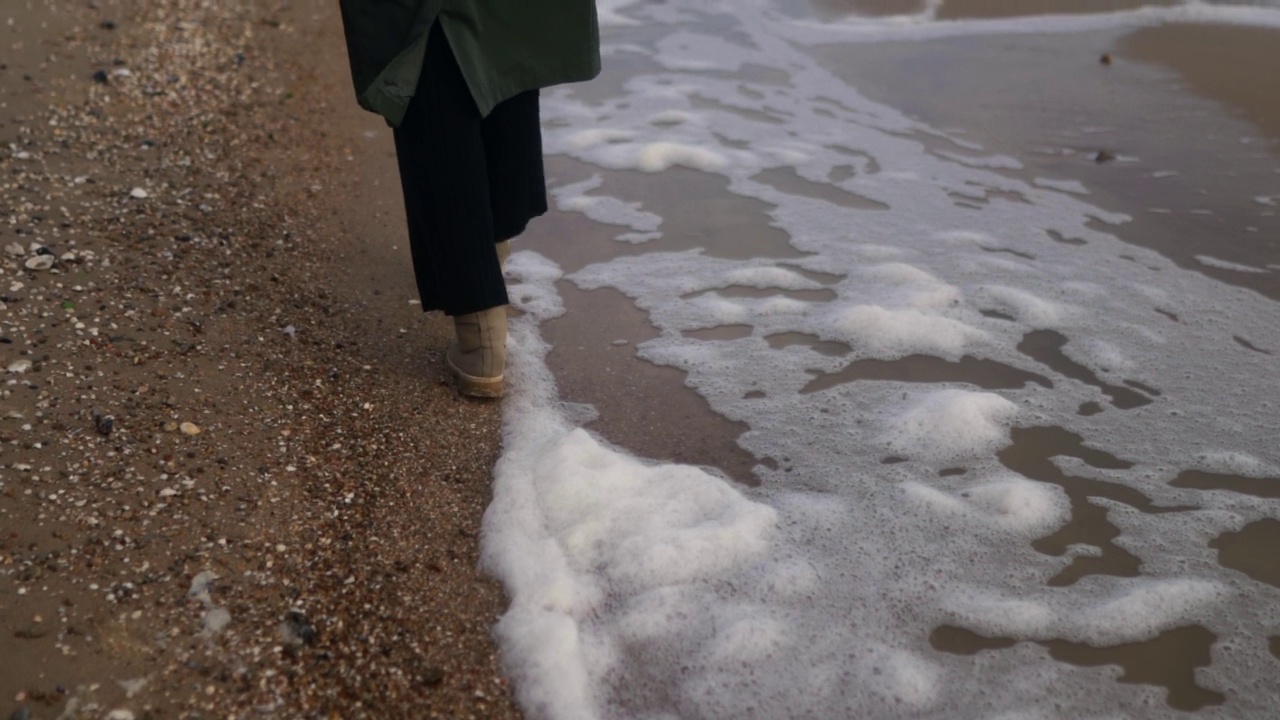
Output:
x=139 y=193
x=19 y=366
x=296 y=630
x=104 y=424
x=189 y=428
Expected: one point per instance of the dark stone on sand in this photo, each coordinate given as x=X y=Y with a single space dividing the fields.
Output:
x=100 y=77
x=298 y=630
x=104 y=424
x=107 y=25
x=31 y=632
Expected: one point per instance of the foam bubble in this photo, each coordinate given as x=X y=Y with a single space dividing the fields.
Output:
x=1210 y=261
x=993 y=615
x=529 y=278
x=586 y=139
x=1142 y=612
x=884 y=333
x=659 y=156
x=946 y=425
x=605 y=209
x=609 y=12
x=1012 y=503
x=1074 y=187
x=1022 y=305
x=994 y=162
x=1139 y=611
x=770 y=277
x=1234 y=462
x=906 y=679
x=674 y=117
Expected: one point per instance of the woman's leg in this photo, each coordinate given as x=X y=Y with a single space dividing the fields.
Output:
x=444 y=173
x=512 y=136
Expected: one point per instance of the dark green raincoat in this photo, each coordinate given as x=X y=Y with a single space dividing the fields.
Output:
x=504 y=47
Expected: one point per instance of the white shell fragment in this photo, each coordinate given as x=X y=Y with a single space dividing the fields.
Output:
x=39 y=262
x=19 y=366
x=139 y=193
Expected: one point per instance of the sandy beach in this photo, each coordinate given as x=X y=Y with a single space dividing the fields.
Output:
x=234 y=480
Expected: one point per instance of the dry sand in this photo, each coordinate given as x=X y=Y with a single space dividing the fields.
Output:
x=234 y=481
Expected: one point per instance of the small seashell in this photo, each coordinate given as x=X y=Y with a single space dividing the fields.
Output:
x=139 y=193
x=189 y=428
x=19 y=366
x=40 y=262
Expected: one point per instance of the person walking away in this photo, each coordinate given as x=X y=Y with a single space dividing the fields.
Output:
x=458 y=80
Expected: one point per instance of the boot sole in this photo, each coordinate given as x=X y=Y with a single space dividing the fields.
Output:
x=472 y=386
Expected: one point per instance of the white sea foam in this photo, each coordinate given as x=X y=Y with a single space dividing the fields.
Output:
x=1234 y=462
x=610 y=12
x=1137 y=611
x=1022 y=305
x=1214 y=262
x=1013 y=503
x=605 y=209
x=888 y=507
x=1068 y=186
x=950 y=425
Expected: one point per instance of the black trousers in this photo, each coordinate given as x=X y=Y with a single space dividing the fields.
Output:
x=468 y=182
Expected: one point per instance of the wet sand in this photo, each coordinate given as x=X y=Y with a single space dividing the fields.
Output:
x=1191 y=142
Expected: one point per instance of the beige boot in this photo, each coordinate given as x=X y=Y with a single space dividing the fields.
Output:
x=478 y=356
x=504 y=252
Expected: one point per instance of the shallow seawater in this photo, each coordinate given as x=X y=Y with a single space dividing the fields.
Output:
x=835 y=401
